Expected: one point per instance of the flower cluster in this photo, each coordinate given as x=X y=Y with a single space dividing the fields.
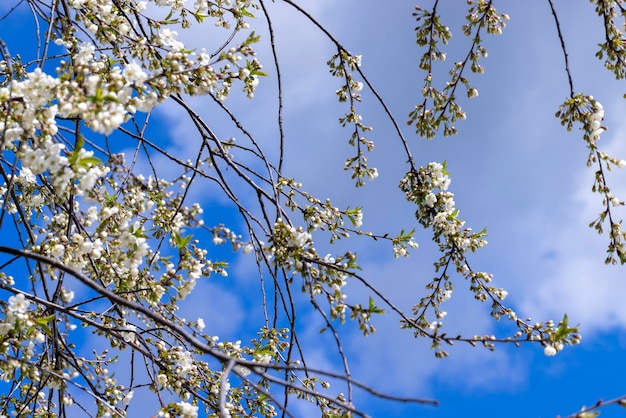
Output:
x=595 y=127
x=436 y=210
x=292 y=249
x=402 y=243
x=100 y=218
x=590 y=113
x=342 y=65
x=440 y=107
x=16 y=313
x=611 y=48
x=321 y=215
x=428 y=188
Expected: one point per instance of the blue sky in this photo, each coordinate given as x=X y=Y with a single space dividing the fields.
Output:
x=514 y=170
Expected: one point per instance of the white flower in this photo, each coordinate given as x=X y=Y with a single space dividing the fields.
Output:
x=184 y=364
x=244 y=73
x=127 y=398
x=134 y=74
x=449 y=204
x=129 y=334
x=67 y=295
x=621 y=163
x=298 y=239
x=595 y=124
x=431 y=199
x=162 y=379
x=201 y=5
x=5 y=327
x=57 y=250
x=87 y=180
x=440 y=218
x=596 y=116
x=168 y=37
x=186 y=289
x=595 y=134
x=264 y=359
x=40 y=337
x=399 y=252
x=549 y=351
x=187 y=410
x=200 y=324
x=26 y=176
x=358 y=219
x=18 y=304
x=85 y=54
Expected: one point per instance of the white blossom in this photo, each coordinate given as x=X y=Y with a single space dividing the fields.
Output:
x=134 y=73
x=18 y=304
x=200 y=324
x=127 y=398
x=129 y=333
x=431 y=199
x=298 y=238
x=549 y=350
x=187 y=410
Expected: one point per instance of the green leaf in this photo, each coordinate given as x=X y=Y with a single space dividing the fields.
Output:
x=481 y=233
x=181 y=242
x=199 y=17
x=564 y=330
x=373 y=308
x=246 y=13
x=266 y=350
x=139 y=233
x=43 y=323
x=252 y=39
x=350 y=213
x=168 y=19
x=80 y=141
x=89 y=161
x=45 y=319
